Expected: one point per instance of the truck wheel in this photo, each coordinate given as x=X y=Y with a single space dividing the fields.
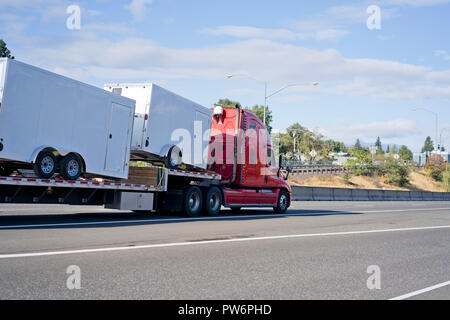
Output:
x=5 y=171
x=213 y=201
x=282 y=203
x=192 y=201
x=71 y=167
x=45 y=165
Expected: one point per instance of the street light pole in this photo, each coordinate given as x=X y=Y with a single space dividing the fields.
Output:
x=266 y=96
x=440 y=137
x=265 y=102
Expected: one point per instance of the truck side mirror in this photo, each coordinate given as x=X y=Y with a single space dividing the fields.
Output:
x=280 y=166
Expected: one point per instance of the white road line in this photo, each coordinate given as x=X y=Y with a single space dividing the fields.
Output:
x=416 y=293
x=195 y=243
x=248 y=216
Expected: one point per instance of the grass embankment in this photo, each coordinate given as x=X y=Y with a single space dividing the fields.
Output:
x=418 y=181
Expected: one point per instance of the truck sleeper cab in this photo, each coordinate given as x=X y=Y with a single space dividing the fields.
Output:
x=241 y=152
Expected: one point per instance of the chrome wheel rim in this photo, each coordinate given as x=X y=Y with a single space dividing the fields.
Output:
x=47 y=165
x=214 y=202
x=73 y=168
x=283 y=201
x=194 y=201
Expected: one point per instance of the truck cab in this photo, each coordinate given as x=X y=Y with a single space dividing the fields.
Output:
x=241 y=151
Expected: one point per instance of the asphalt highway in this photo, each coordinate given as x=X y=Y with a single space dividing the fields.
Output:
x=318 y=250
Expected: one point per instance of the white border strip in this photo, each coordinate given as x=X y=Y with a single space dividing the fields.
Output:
x=195 y=243
x=416 y=293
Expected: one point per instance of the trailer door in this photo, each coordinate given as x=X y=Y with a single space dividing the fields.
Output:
x=117 y=145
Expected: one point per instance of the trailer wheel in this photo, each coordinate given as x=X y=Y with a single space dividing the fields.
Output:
x=213 y=201
x=71 y=167
x=45 y=165
x=174 y=157
x=5 y=171
x=192 y=201
x=282 y=203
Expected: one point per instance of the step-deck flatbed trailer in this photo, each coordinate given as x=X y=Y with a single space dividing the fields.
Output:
x=167 y=194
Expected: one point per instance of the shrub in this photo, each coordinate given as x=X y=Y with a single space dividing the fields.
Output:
x=446 y=178
x=435 y=167
x=395 y=172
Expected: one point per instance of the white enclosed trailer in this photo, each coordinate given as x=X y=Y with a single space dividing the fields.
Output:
x=55 y=123
x=163 y=120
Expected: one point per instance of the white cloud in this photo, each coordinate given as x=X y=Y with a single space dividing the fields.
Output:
x=415 y=3
x=252 y=32
x=442 y=53
x=138 y=8
x=263 y=59
x=389 y=131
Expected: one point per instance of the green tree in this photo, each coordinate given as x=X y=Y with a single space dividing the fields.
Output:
x=388 y=149
x=227 y=103
x=4 y=52
x=360 y=163
x=394 y=149
x=405 y=153
x=428 y=145
x=357 y=145
x=379 y=146
x=336 y=146
x=287 y=139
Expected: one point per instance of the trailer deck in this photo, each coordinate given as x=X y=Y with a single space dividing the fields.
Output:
x=16 y=189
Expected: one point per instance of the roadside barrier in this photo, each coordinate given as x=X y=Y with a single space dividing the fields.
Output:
x=343 y=194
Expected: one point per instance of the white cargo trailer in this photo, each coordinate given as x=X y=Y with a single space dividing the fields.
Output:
x=167 y=126
x=53 y=123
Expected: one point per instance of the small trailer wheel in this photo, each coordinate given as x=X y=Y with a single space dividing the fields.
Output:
x=174 y=158
x=71 y=167
x=192 y=201
x=45 y=165
x=213 y=201
x=282 y=203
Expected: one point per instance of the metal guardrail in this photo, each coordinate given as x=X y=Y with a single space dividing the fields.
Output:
x=342 y=194
x=315 y=169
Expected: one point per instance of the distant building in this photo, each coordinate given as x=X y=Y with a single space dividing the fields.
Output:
x=339 y=158
x=421 y=158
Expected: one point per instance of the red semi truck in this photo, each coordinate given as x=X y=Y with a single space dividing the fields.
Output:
x=241 y=173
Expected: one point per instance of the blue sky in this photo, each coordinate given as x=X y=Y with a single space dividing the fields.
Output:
x=370 y=80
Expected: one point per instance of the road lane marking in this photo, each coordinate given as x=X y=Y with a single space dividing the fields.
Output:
x=194 y=243
x=416 y=293
x=248 y=216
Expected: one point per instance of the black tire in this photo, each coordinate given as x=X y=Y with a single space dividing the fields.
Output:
x=192 y=201
x=6 y=171
x=45 y=165
x=71 y=167
x=283 y=202
x=212 y=202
